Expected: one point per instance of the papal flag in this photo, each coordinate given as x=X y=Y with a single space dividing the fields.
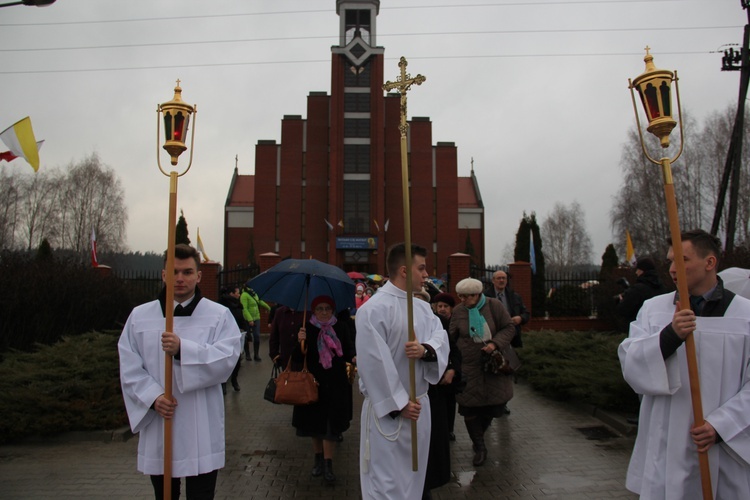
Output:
x=629 y=251
x=200 y=247
x=19 y=138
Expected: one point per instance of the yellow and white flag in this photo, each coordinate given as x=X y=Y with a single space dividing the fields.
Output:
x=19 y=138
x=200 y=247
x=629 y=251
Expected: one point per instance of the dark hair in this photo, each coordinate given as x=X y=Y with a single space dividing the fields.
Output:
x=397 y=256
x=704 y=243
x=183 y=251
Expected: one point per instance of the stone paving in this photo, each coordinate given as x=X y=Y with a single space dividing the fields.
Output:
x=537 y=452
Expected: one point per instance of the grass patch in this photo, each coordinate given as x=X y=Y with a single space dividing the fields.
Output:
x=72 y=385
x=577 y=366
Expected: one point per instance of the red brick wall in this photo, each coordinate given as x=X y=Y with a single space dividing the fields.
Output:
x=446 y=171
x=377 y=163
x=289 y=224
x=316 y=178
x=421 y=195
x=265 y=197
x=238 y=247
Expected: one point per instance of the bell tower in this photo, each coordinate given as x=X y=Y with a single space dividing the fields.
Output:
x=356 y=140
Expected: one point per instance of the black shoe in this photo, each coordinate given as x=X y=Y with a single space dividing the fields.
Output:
x=328 y=474
x=480 y=455
x=258 y=358
x=248 y=358
x=236 y=386
x=317 y=469
x=451 y=436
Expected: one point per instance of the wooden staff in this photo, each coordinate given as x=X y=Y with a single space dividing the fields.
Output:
x=403 y=83
x=169 y=327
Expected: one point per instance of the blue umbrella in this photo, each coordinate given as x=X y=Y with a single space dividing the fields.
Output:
x=296 y=282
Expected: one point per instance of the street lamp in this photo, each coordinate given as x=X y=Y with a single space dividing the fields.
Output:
x=654 y=87
x=30 y=3
x=176 y=115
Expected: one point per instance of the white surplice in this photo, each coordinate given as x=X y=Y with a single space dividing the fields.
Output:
x=209 y=349
x=385 y=442
x=664 y=464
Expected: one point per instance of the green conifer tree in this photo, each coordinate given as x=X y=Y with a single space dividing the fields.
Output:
x=181 y=230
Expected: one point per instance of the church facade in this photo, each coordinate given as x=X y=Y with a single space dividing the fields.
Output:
x=331 y=189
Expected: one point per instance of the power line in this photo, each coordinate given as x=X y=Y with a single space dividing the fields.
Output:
x=318 y=11
x=316 y=61
x=335 y=37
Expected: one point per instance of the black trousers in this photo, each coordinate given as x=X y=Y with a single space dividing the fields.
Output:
x=200 y=487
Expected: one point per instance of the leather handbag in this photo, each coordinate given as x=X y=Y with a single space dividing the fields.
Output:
x=504 y=362
x=269 y=394
x=296 y=388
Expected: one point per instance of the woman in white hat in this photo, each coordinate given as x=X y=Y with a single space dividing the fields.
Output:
x=480 y=324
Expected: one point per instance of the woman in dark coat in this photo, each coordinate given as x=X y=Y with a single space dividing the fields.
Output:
x=328 y=347
x=480 y=324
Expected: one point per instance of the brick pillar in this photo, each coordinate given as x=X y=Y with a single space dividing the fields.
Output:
x=460 y=264
x=268 y=260
x=210 y=280
x=521 y=281
x=103 y=271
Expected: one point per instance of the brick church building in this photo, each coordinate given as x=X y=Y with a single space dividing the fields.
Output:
x=331 y=189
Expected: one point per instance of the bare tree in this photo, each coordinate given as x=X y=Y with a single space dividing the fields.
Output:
x=40 y=214
x=639 y=206
x=9 y=196
x=93 y=198
x=566 y=241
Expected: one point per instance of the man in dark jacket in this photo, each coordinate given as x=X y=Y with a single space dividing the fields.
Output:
x=230 y=298
x=512 y=302
x=647 y=285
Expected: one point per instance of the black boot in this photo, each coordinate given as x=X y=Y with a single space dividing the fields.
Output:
x=317 y=469
x=328 y=474
x=235 y=385
x=476 y=433
x=256 y=348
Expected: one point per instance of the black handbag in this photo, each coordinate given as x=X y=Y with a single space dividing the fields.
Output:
x=504 y=362
x=270 y=393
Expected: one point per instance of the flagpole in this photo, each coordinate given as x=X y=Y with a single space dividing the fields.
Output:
x=403 y=83
x=176 y=114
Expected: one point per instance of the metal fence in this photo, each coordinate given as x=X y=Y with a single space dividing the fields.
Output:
x=571 y=293
x=566 y=293
x=237 y=276
x=145 y=284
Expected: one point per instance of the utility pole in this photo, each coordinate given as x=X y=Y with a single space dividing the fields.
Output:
x=733 y=165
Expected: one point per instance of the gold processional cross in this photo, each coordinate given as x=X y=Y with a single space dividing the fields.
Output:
x=403 y=83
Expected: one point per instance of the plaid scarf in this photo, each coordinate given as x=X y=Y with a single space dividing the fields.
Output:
x=328 y=343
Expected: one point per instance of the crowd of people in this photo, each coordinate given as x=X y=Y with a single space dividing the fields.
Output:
x=459 y=358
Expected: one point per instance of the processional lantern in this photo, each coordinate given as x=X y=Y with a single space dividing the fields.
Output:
x=176 y=114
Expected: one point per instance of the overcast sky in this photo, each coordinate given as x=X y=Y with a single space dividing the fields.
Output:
x=535 y=91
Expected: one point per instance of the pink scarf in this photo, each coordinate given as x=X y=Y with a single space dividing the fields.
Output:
x=328 y=342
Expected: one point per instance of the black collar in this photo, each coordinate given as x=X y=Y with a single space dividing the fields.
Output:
x=183 y=311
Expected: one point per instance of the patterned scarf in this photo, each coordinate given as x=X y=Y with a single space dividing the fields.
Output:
x=328 y=342
x=477 y=323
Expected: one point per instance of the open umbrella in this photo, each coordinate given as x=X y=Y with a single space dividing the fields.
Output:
x=375 y=277
x=356 y=276
x=737 y=280
x=296 y=282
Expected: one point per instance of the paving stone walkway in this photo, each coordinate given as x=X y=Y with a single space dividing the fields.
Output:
x=537 y=452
